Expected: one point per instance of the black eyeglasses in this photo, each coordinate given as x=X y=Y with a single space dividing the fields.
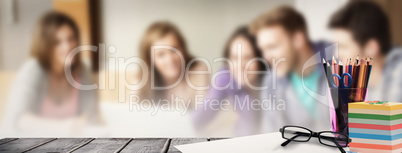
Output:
x=301 y=134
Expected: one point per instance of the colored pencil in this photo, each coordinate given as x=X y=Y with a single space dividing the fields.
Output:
x=362 y=73
x=356 y=75
x=340 y=69
x=324 y=64
x=329 y=73
x=335 y=70
x=350 y=66
x=347 y=71
x=357 y=60
x=370 y=65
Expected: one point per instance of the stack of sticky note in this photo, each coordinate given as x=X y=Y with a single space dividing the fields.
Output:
x=375 y=126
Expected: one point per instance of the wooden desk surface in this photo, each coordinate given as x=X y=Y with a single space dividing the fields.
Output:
x=96 y=145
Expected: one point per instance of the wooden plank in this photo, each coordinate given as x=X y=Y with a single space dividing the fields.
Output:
x=123 y=146
x=103 y=145
x=62 y=145
x=23 y=144
x=214 y=139
x=146 y=145
x=181 y=141
x=7 y=140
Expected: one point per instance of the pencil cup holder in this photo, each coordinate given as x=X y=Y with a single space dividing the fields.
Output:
x=340 y=97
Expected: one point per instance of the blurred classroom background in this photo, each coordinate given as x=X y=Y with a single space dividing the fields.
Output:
x=206 y=25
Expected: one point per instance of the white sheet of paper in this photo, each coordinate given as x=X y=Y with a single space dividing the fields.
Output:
x=264 y=143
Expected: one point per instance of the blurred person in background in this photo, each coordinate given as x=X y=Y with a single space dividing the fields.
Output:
x=227 y=86
x=281 y=33
x=41 y=99
x=167 y=65
x=362 y=28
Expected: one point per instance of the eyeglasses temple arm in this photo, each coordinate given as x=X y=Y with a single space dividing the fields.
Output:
x=289 y=140
x=339 y=146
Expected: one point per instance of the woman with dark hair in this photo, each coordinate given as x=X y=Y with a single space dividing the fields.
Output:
x=225 y=86
x=167 y=64
x=41 y=91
